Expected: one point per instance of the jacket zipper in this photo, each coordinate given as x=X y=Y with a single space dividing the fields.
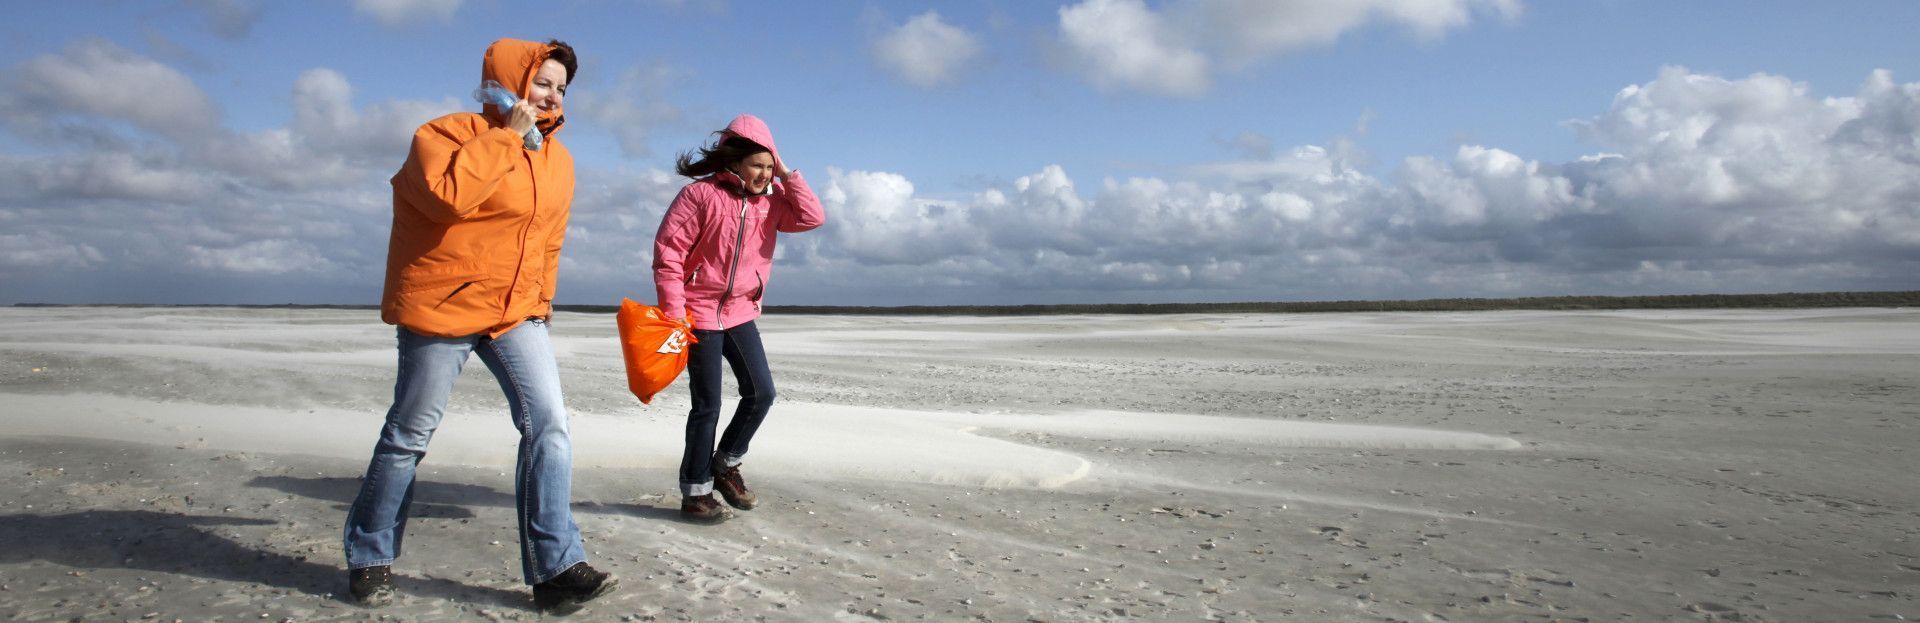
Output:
x=739 y=239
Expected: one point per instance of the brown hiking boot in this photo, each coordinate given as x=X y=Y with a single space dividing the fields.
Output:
x=703 y=509
x=731 y=486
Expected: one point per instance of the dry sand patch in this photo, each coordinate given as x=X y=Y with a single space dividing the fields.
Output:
x=1703 y=465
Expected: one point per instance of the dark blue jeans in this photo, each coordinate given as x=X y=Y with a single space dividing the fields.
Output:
x=740 y=348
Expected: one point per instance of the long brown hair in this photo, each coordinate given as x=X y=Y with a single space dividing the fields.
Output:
x=722 y=156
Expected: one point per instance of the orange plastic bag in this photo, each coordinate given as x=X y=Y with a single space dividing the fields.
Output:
x=655 y=348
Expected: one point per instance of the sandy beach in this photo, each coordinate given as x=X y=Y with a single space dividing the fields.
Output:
x=195 y=464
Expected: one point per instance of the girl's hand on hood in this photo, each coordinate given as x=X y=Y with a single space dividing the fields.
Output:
x=780 y=169
x=522 y=117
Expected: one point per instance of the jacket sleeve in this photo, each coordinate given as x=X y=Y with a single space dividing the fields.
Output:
x=803 y=208
x=679 y=229
x=446 y=176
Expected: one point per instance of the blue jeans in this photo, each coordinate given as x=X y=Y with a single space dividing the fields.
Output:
x=740 y=347
x=522 y=361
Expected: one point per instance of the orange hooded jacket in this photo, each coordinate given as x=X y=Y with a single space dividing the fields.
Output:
x=478 y=219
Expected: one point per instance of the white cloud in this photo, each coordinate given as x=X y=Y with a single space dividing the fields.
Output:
x=277 y=256
x=95 y=77
x=325 y=119
x=877 y=220
x=394 y=13
x=1756 y=166
x=1483 y=187
x=1124 y=44
x=1253 y=30
x=925 y=51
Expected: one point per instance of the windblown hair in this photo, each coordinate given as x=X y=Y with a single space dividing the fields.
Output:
x=564 y=53
x=721 y=156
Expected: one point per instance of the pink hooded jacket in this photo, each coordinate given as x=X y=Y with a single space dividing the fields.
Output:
x=714 y=251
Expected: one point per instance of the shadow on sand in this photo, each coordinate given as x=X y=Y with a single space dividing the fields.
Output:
x=185 y=545
x=444 y=500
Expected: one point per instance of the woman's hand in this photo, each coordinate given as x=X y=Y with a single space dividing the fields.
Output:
x=521 y=118
x=780 y=169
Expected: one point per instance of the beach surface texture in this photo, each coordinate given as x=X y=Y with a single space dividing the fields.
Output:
x=196 y=464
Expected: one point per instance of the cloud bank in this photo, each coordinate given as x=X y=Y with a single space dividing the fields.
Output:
x=1705 y=184
x=126 y=185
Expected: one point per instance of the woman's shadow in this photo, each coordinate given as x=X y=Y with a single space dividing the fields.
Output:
x=443 y=500
x=184 y=544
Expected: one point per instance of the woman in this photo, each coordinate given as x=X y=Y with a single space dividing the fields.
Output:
x=479 y=212
x=711 y=261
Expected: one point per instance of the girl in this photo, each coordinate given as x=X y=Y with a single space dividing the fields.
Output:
x=711 y=261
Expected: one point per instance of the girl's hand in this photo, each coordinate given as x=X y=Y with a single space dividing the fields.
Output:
x=521 y=118
x=780 y=169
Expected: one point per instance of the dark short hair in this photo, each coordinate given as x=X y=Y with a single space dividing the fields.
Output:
x=563 y=53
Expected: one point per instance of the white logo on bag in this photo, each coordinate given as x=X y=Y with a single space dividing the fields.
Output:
x=674 y=344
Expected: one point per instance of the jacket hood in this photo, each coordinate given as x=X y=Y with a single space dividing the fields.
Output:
x=512 y=63
x=753 y=129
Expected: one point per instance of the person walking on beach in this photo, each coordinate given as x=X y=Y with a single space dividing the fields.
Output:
x=712 y=259
x=479 y=213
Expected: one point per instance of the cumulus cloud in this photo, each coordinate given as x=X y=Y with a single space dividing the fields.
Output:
x=326 y=120
x=329 y=144
x=878 y=221
x=926 y=51
x=1124 y=44
x=395 y=13
x=1706 y=184
x=1755 y=166
x=97 y=78
x=136 y=178
x=1121 y=44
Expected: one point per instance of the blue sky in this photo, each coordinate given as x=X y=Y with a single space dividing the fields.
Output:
x=232 y=151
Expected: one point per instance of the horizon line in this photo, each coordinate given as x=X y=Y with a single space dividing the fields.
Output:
x=1894 y=298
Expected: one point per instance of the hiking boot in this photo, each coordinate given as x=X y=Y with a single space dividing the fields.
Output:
x=568 y=592
x=732 y=487
x=371 y=587
x=703 y=509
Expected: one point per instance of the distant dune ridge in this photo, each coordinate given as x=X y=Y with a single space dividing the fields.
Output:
x=1739 y=464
